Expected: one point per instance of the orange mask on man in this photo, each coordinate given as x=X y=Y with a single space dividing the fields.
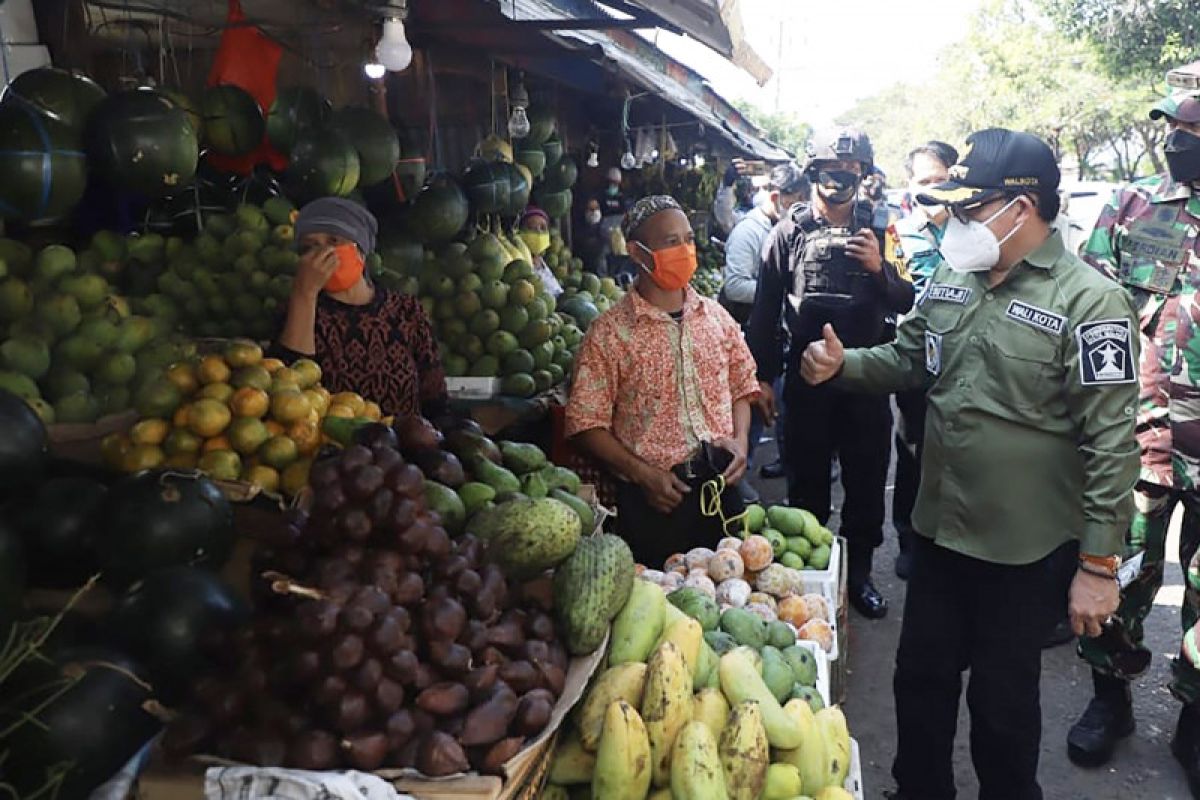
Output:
x=349 y=268
x=673 y=266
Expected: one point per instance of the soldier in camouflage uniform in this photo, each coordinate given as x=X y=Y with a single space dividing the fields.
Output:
x=1148 y=238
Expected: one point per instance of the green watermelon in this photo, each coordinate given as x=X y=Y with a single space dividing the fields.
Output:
x=488 y=187
x=553 y=149
x=190 y=108
x=233 y=122
x=518 y=190
x=323 y=163
x=375 y=140
x=561 y=176
x=439 y=211
x=534 y=160
x=556 y=204
x=66 y=96
x=542 y=125
x=43 y=170
x=143 y=142
x=296 y=110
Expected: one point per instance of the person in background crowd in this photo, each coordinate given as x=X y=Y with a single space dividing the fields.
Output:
x=591 y=242
x=823 y=263
x=874 y=187
x=1148 y=239
x=367 y=339
x=613 y=203
x=734 y=198
x=1029 y=356
x=534 y=230
x=743 y=257
x=920 y=234
x=662 y=392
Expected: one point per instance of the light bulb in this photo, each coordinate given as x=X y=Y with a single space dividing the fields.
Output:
x=374 y=70
x=593 y=159
x=393 y=50
x=628 y=162
x=518 y=123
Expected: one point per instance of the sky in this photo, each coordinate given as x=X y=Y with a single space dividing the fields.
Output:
x=834 y=53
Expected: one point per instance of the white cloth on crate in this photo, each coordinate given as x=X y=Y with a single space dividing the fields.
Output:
x=271 y=783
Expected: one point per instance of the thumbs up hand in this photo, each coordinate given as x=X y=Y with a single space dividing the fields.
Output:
x=823 y=359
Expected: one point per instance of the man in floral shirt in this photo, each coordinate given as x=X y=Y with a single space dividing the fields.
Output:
x=662 y=391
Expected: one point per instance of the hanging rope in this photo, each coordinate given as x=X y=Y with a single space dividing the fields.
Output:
x=710 y=506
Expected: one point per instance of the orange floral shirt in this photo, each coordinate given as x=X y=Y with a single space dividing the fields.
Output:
x=660 y=385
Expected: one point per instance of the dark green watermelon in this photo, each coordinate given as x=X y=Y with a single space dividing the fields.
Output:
x=177 y=622
x=164 y=518
x=43 y=170
x=59 y=525
x=542 y=126
x=488 y=187
x=582 y=310
x=553 y=149
x=65 y=95
x=439 y=212
x=88 y=732
x=534 y=160
x=323 y=164
x=373 y=138
x=518 y=190
x=22 y=446
x=190 y=108
x=561 y=176
x=141 y=141
x=556 y=204
x=296 y=110
x=233 y=122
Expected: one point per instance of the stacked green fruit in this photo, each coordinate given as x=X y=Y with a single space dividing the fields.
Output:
x=585 y=295
x=68 y=344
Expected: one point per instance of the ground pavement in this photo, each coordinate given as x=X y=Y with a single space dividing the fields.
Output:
x=1143 y=766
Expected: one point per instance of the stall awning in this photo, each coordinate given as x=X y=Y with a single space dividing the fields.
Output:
x=716 y=23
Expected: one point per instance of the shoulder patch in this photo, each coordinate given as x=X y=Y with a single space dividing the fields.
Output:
x=1035 y=317
x=948 y=293
x=1105 y=352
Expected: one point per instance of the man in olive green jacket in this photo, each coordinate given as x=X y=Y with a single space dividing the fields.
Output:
x=1030 y=359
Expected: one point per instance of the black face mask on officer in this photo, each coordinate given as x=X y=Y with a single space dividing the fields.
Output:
x=838 y=186
x=1182 y=149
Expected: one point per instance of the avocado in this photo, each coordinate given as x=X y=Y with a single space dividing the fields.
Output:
x=522 y=458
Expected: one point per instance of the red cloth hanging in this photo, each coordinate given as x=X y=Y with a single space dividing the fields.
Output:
x=249 y=59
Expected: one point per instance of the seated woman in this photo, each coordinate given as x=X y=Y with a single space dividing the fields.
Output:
x=367 y=339
x=535 y=232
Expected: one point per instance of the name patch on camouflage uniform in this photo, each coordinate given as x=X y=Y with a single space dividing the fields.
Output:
x=1105 y=352
x=1152 y=251
x=948 y=293
x=1036 y=317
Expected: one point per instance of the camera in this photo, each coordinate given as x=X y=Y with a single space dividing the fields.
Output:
x=839 y=238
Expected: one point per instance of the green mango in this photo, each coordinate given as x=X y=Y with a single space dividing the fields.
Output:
x=780 y=634
x=533 y=485
x=557 y=477
x=789 y=521
x=791 y=560
x=810 y=695
x=777 y=539
x=446 y=502
x=803 y=664
x=720 y=641
x=697 y=605
x=496 y=476
x=756 y=517
x=799 y=545
x=746 y=627
x=819 y=558
x=522 y=458
x=776 y=673
x=475 y=495
x=587 y=516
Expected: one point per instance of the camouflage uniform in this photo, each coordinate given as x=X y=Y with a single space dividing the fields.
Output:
x=1148 y=239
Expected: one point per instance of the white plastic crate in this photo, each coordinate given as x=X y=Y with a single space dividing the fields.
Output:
x=816 y=580
x=854 y=781
x=472 y=388
x=822 y=668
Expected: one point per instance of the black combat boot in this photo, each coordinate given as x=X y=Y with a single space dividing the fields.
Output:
x=1186 y=746
x=1107 y=720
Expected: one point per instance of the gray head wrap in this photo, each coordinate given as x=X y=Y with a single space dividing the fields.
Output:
x=644 y=209
x=339 y=217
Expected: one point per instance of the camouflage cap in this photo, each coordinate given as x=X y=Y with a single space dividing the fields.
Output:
x=644 y=209
x=1183 y=106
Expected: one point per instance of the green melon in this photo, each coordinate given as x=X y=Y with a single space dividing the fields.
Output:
x=519 y=189
x=488 y=187
x=553 y=150
x=561 y=176
x=189 y=107
x=373 y=138
x=556 y=204
x=233 y=122
x=143 y=142
x=323 y=163
x=43 y=171
x=64 y=95
x=295 y=111
x=439 y=212
x=534 y=160
x=542 y=125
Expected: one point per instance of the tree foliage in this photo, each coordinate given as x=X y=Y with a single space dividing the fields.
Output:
x=787 y=131
x=1146 y=37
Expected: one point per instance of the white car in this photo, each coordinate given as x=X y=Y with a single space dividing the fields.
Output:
x=1082 y=202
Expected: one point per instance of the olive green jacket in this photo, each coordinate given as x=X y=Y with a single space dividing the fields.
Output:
x=1029 y=438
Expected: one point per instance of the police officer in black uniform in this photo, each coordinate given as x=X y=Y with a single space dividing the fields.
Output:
x=823 y=264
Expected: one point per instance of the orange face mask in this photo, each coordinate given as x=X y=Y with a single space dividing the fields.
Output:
x=349 y=268
x=673 y=266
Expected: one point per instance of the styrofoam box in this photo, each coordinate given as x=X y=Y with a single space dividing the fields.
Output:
x=854 y=782
x=822 y=667
x=473 y=388
x=828 y=577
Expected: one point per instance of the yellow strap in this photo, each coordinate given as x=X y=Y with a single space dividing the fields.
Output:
x=710 y=506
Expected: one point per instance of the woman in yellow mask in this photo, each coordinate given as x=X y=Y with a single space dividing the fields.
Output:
x=535 y=232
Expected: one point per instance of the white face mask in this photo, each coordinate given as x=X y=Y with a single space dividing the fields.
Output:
x=971 y=246
x=593 y=217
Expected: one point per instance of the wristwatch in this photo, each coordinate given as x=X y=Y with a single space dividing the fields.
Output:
x=1100 y=565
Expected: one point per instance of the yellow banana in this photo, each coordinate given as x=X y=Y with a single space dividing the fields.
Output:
x=740 y=681
x=696 y=772
x=744 y=752
x=638 y=625
x=623 y=758
x=571 y=764
x=622 y=682
x=710 y=707
x=666 y=706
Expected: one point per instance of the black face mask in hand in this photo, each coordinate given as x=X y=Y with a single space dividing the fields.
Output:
x=1182 y=150
x=838 y=185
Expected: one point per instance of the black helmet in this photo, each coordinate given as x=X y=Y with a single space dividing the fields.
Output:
x=840 y=144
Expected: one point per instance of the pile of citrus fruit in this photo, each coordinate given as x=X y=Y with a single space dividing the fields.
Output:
x=236 y=416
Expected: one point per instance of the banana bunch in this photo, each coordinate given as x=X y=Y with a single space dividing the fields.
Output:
x=670 y=719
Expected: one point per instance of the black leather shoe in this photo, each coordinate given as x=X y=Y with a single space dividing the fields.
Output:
x=1059 y=634
x=867 y=600
x=1107 y=720
x=1186 y=746
x=771 y=471
x=903 y=565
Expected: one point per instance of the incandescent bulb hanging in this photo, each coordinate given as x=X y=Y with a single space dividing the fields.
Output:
x=518 y=123
x=593 y=159
x=628 y=162
x=374 y=70
x=393 y=50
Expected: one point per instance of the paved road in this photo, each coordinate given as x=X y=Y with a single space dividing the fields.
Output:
x=1143 y=766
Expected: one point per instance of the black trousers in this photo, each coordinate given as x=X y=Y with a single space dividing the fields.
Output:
x=910 y=438
x=823 y=421
x=653 y=536
x=962 y=613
